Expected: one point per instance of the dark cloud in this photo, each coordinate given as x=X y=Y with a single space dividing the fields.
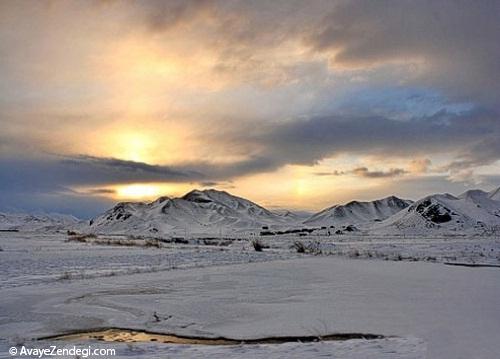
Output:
x=209 y=184
x=58 y=173
x=113 y=170
x=159 y=16
x=309 y=141
x=365 y=172
x=100 y=191
x=456 y=42
x=333 y=173
x=468 y=138
x=48 y=183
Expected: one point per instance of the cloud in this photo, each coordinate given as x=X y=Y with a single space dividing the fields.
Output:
x=448 y=45
x=420 y=165
x=53 y=174
x=60 y=174
x=159 y=16
x=467 y=139
x=471 y=137
x=453 y=44
x=463 y=168
x=99 y=191
x=209 y=184
x=247 y=87
x=365 y=172
x=333 y=173
x=251 y=165
x=309 y=141
x=482 y=153
x=467 y=176
x=112 y=169
x=52 y=183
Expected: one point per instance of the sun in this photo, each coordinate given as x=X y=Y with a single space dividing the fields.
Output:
x=138 y=191
x=146 y=191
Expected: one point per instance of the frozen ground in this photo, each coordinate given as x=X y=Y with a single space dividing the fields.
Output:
x=30 y=258
x=474 y=250
x=233 y=291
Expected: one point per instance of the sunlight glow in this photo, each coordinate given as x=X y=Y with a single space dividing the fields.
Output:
x=145 y=191
x=138 y=191
x=133 y=146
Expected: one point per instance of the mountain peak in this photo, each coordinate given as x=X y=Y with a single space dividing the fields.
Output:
x=207 y=195
x=473 y=193
x=160 y=200
x=197 y=196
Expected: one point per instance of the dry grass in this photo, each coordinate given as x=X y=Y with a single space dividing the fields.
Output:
x=109 y=241
x=258 y=245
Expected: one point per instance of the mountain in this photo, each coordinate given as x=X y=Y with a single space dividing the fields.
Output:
x=358 y=213
x=212 y=212
x=208 y=211
x=36 y=222
x=474 y=211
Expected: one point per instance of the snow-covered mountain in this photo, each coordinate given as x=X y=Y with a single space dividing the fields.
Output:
x=208 y=211
x=36 y=222
x=474 y=211
x=212 y=212
x=358 y=213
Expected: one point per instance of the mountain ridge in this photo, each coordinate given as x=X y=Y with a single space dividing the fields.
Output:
x=36 y=221
x=212 y=211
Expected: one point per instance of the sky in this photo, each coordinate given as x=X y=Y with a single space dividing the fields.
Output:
x=291 y=104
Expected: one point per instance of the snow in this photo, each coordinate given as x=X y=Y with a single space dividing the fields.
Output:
x=389 y=277
x=211 y=212
x=494 y=194
x=200 y=212
x=33 y=258
x=358 y=212
x=472 y=212
x=35 y=222
x=452 y=312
